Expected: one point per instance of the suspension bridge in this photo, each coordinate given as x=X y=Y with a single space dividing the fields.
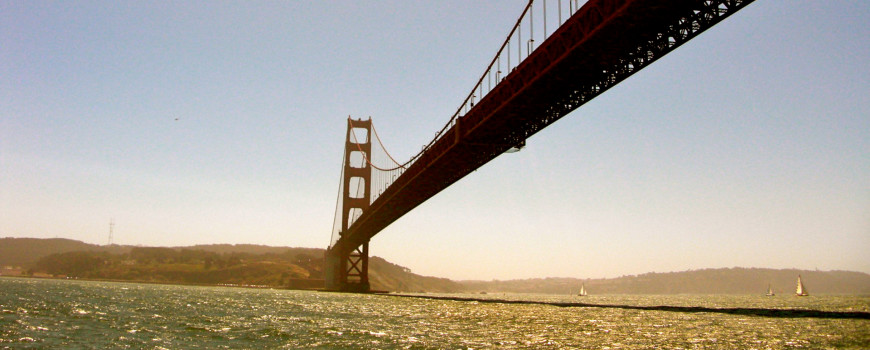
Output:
x=558 y=56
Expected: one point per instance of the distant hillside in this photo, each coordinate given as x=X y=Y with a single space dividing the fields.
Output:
x=251 y=249
x=26 y=251
x=208 y=264
x=387 y=276
x=383 y=275
x=706 y=281
x=303 y=267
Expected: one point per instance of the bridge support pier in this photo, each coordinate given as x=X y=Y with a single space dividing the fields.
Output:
x=348 y=271
x=347 y=268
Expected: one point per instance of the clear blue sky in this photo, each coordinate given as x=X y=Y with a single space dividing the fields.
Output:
x=748 y=146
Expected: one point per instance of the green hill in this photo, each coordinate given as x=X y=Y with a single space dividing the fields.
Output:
x=26 y=251
x=707 y=281
x=236 y=264
x=303 y=268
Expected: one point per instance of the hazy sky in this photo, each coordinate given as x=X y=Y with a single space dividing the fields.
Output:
x=224 y=122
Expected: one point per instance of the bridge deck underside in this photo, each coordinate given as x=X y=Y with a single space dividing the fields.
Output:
x=600 y=45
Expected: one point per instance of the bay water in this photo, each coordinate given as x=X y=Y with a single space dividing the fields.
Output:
x=71 y=314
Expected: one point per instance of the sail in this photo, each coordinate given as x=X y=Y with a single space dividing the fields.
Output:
x=582 y=290
x=800 y=290
x=770 y=291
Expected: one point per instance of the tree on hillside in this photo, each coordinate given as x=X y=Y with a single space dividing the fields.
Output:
x=77 y=264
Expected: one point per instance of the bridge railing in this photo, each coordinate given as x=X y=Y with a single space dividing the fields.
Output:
x=534 y=25
x=602 y=44
x=538 y=20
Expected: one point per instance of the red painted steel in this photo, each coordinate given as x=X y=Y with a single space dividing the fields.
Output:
x=600 y=45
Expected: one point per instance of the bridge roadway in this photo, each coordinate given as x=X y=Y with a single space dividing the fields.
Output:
x=600 y=45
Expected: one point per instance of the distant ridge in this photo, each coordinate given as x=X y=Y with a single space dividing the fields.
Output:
x=25 y=252
x=383 y=275
x=735 y=280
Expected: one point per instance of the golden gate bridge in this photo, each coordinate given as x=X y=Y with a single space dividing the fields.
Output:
x=537 y=76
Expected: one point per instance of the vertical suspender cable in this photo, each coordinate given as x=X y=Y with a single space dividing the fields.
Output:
x=509 y=60
x=519 y=44
x=338 y=201
x=545 y=19
x=498 y=72
x=531 y=31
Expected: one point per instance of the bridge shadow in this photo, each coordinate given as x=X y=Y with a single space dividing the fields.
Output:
x=778 y=313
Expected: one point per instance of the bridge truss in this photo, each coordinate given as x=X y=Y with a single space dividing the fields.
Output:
x=601 y=44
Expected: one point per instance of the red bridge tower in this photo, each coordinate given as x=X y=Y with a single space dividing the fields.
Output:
x=347 y=268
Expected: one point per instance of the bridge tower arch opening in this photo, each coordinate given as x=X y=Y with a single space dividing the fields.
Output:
x=347 y=267
x=600 y=44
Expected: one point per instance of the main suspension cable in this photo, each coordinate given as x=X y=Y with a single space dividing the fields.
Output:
x=471 y=95
x=366 y=157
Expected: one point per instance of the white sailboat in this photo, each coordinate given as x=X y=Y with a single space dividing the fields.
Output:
x=770 y=291
x=582 y=292
x=801 y=291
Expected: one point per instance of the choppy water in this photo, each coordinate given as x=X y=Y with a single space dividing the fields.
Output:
x=79 y=314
